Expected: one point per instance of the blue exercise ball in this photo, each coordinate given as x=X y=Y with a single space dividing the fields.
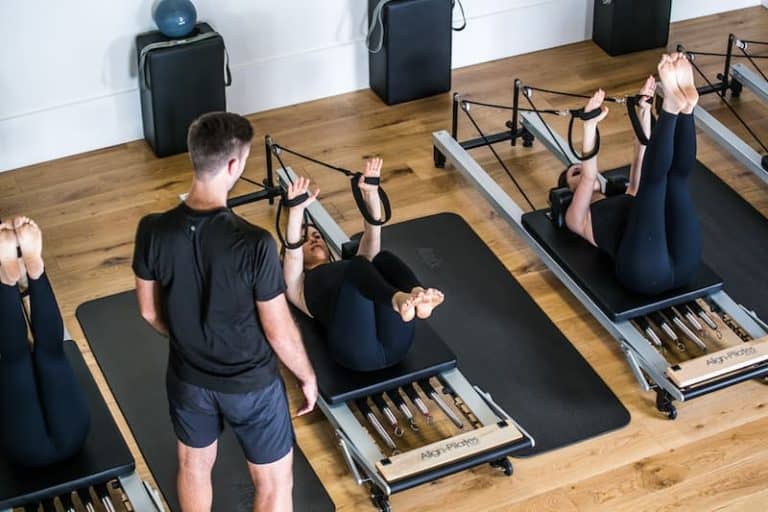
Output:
x=175 y=18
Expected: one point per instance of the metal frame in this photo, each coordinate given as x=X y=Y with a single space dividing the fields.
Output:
x=646 y=363
x=751 y=80
x=358 y=449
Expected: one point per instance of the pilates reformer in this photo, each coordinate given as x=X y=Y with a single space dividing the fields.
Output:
x=101 y=477
x=682 y=344
x=733 y=78
x=381 y=418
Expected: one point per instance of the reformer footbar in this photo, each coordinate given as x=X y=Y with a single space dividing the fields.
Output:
x=733 y=78
x=346 y=397
x=661 y=361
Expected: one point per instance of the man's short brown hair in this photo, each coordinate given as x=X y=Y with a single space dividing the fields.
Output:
x=214 y=138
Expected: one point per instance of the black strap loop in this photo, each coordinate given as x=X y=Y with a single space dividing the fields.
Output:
x=363 y=207
x=586 y=116
x=278 y=228
x=296 y=201
x=632 y=103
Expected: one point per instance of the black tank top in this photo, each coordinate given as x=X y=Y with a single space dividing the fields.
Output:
x=609 y=218
x=321 y=290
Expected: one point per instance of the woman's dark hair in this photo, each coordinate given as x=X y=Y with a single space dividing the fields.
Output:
x=216 y=137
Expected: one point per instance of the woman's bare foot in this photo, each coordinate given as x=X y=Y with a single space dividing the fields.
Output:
x=674 y=99
x=684 y=71
x=429 y=299
x=9 y=256
x=404 y=304
x=31 y=243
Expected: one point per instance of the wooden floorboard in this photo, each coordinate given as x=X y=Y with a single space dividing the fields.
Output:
x=713 y=457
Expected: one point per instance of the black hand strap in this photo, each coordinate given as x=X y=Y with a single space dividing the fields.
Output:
x=637 y=125
x=283 y=237
x=363 y=207
x=580 y=113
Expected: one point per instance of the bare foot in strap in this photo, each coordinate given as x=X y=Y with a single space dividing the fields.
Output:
x=430 y=299
x=10 y=273
x=404 y=304
x=685 y=81
x=31 y=244
x=674 y=99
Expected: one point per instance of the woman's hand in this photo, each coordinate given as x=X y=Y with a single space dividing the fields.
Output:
x=648 y=91
x=372 y=170
x=301 y=186
x=596 y=102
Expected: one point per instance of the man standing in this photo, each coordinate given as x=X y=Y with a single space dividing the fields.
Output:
x=213 y=284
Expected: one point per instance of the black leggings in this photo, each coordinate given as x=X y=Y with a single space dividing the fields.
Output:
x=366 y=333
x=44 y=416
x=661 y=246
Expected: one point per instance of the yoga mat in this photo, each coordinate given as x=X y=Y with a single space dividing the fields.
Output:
x=133 y=359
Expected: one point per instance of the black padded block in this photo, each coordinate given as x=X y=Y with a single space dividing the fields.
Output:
x=594 y=272
x=428 y=356
x=133 y=359
x=735 y=238
x=504 y=343
x=104 y=457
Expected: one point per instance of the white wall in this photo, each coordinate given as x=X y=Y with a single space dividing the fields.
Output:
x=68 y=73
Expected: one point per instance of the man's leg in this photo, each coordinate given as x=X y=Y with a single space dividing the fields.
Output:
x=274 y=485
x=194 y=478
x=197 y=425
x=261 y=422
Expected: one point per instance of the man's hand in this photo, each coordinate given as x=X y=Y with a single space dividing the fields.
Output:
x=309 y=388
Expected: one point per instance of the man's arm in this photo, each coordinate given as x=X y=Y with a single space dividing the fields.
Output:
x=285 y=339
x=148 y=294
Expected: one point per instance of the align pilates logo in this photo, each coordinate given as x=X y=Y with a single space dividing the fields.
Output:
x=731 y=354
x=439 y=451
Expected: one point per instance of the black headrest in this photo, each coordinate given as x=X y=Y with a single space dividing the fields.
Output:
x=559 y=200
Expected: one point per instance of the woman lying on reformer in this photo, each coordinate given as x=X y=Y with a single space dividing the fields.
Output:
x=366 y=304
x=44 y=415
x=651 y=232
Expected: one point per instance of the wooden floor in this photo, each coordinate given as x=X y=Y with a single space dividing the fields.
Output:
x=714 y=457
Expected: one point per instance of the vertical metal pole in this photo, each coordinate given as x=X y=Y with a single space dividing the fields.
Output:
x=270 y=181
x=725 y=79
x=515 y=103
x=455 y=117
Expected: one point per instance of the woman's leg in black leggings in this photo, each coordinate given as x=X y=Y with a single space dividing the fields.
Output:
x=683 y=232
x=23 y=429
x=396 y=272
x=366 y=334
x=61 y=397
x=642 y=261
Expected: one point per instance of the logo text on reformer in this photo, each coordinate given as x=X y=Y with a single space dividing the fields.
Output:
x=731 y=354
x=449 y=447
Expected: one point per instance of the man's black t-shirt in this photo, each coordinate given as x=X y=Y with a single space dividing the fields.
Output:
x=211 y=267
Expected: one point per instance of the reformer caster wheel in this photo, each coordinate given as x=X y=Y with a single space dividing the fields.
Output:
x=505 y=465
x=736 y=88
x=380 y=501
x=664 y=404
x=438 y=157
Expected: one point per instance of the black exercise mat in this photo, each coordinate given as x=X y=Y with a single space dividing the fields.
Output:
x=735 y=238
x=105 y=455
x=428 y=356
x=592 y=270
x=133 y=359
x=503 y=341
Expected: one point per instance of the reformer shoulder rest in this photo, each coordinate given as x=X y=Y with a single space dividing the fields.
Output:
x=560 y=198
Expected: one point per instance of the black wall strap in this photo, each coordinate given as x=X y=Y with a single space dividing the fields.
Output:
x=377 y=22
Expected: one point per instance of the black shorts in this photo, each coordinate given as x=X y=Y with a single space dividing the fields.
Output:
x=260 y=419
